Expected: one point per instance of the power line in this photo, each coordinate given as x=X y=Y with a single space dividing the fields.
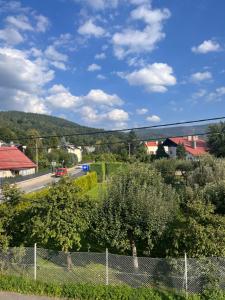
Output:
x=119 y=142
x=119 y=130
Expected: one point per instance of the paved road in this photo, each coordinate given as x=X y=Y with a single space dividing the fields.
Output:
x=41 y=182
x=15 y=296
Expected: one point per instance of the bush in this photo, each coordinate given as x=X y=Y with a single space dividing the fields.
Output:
x=87 y=291
x=112 y=167
x=99 y=168
x=87 y=182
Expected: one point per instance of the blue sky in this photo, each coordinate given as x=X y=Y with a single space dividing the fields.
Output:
x=113 y=63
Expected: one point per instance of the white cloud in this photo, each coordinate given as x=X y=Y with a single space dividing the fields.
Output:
x=206 y=47
x=100 y=56
x=52 y=54
x=138 y=2
x=22 y=81
x=21 y=22
x=118 y=115
x=11 y=36
x=100 y=97
x=56 y=58
x=201 y=76
x=90 y=29
x=155 y=78
x=153 y=119
x=101 y=77
x=132 y=40
x=199 y=94
x=43 y=23
x=217 y=95
x=93 y=67
x=141 y=111
x=59 y=96
x=101 y=4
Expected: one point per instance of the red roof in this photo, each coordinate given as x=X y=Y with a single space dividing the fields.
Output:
x=12 y=158
x=201 y=146
x=151 y=144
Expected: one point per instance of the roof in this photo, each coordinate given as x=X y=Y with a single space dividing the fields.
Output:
x=201 y=146
x=12 y=158
x=151 y=144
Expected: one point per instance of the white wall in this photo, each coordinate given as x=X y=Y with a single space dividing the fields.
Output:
x=27 y=172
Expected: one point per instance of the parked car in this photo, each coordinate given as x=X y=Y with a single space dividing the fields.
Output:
x=61 y=172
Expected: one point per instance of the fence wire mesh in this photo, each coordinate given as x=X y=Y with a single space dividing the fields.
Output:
x=191 y=274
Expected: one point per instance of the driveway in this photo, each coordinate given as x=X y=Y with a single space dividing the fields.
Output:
x=15 y=296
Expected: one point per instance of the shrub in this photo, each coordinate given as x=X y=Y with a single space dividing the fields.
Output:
x=89 y=292
x=87 y=182
x=112 y=167
x=99 y=168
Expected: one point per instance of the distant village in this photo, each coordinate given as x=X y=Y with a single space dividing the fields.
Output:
x=14 y=162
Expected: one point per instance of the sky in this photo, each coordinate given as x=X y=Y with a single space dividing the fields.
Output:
x=113 y=63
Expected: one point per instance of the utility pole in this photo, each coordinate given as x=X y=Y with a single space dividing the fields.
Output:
x=36 y=150
x=129 y=149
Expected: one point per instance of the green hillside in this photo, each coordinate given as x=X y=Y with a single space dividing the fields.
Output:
x=16 y=125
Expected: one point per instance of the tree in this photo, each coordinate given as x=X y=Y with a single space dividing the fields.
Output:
x=181 y=152
x=216 y=139
x=132 y=142
x=136 y=208
x=207 y=169
x=161 y=153
x=59 y=219
x=197 y=231
x=215 y=193
x=7 y=135
x=34 y=144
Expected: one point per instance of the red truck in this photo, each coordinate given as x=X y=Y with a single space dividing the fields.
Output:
x=61 y=172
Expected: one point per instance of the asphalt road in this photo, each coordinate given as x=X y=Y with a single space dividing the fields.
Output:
x=15 y=296
x=41 y=182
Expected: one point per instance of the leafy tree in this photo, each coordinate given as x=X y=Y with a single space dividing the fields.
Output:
x=7 y=135
x=208 y=169
x=32 y=143
x=136 y=208
x=197 y=231
x=215 y=193
x=108 y=157
x=161 y=153
x=11 y=194
x=181 y=153
x=58 y=220
x=167 y=169
x=132 y=141
x=216 y=139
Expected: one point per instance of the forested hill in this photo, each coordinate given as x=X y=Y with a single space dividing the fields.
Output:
x=172 y=131
x=14 y=124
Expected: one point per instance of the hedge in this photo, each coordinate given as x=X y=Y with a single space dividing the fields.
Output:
x=112 y=167
x=86 y=182
x=87 y=291
x=99 y=168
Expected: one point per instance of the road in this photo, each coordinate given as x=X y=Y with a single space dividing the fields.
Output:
x=15 y=296
x=41 y=182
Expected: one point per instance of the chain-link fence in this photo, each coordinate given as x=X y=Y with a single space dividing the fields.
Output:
x=187 y=274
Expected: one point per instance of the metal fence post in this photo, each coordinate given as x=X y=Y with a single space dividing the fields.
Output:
x=35 y=261
x=107 y=266
x=186 y=274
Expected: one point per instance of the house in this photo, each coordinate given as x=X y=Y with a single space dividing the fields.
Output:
x=74 y=150
x=152 y=147
x=14 y=162
x=194 y=146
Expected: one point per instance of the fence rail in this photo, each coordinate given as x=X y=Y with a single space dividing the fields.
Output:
x=182 y=274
